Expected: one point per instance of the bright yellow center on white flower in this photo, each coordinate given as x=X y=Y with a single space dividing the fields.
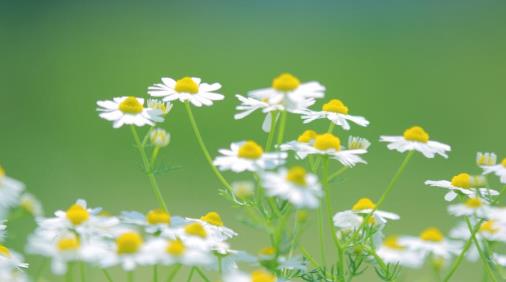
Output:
x=68 y=244
x=186 y=85
x=77 y=214
x=4 y=251
x=175 y=248
x=335 y=106
x=307 y=136
x=488 y=227
x=129 y=243
x=2 y=171
x=503 y=162
x=327 y=141
x=416 y=133
x=267 y=251
x=473 y=203
x=432 y=235
x=363 y=204
x=212 y=218
x=262 y=276
x=285 y=82
x=297 y=175
x=250 y=150
x=392 y=242
x=195 y=229
x=158 y=216
x=131 y=105
x=462 y=180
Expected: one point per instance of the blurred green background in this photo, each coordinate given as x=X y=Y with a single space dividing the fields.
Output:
x=439 y=64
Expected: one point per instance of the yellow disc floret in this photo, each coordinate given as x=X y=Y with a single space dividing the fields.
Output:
x=250 y=150
x=335 y=106
x=4 y=251
x=158 y=216
x=130 y=105
x=297 y=175
x=462 y=180
x=68 y=244
x=416 y=133
x=77 y=214
x=392 y=242
x=363 y=204
x=327 y=141
x=503 y=162
x=473 y=203
x=307 y=136
x=195 y=229
x=262 y=276
x=129 y=243
x=2 y=171
x=285 y=82
x=432 y=234
x=186 y=85
x=212 y=218
x=175 y=248
x=488 y=227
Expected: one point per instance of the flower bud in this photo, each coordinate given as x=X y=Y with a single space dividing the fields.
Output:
x=243 y=189
x=159 y=137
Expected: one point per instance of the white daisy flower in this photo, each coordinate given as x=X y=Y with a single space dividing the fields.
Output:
x=432 y=242
x=295 y=185
x=164 y=107
x=3 y=231
x=128 y=110
x=31 y=204
x=214 y=226
x=392 y=251
x=10 y=192
x=336 y=112
x=490 y=230
x=155 y=221
x=11 y=260
x=350 y=220
x=11 y=275
x=169 y=252
x=471 y=207
x=358 y=143
x=416 y=138
x=129 y=251
x=486 y=159
x=255 y=276
x=347 y=220
x=365 y=206
x=187 y=89
x=498 y=169
x=195 y=234
x=247 y=156
x=303 y=145
x=463 y=184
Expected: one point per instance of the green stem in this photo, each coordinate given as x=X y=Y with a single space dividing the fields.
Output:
x=270 y=137
x=282 y=126
x=337 y=173
x=154 y=156
x=82 y=269
x=483 y=257
x=190 y=276
x=204 y=148
x=68 y=276
x=130 y=276
x=201 y=273
x=173 y=272
x=322 y=243
x=155 y=273
x=331 y=127
x=149 y=170
x=309 y=256
x=107 y=275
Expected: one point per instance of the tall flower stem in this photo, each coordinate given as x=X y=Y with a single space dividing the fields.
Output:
x=322 y=243
x=190 y=276
x=173 y=272
x=107 y=275
x=483 y=257
x=282 y=126
x=155 y=273
x=270 y=137
x=82 y=270
x=149 y=170
x=130 y=276
x=204 y=147
x=202 y=275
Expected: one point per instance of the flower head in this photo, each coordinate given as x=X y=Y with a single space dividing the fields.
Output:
x=416 y=138
x=335 y=111
x=247 y=156
x=186 y=89
x=128 y=110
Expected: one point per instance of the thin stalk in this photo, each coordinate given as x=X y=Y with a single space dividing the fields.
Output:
x=322 y=243
x=154 y=156
x=155 y=273
x=149 y=170
x=337 y=173
x=130 y=276
x=69 y=277
x=309 y=256
x=270 y=137
x=173 y=272
x=107 y=275
x=483 y=257
x=204 y=147
x=282 y=126
x=201 y=273
x=190 y=276
x=82 y=270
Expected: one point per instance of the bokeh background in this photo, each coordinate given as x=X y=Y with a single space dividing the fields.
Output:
x=439 y=64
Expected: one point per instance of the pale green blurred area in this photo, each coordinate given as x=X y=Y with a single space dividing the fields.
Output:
x=398 y=63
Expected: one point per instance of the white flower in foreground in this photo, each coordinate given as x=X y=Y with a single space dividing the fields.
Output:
x=432 y=241
x=186 y=89
x=472 y=206
x=295 y=185
x=169 y=252
x=497 y=169
x=155 y=221
x=204 y=236
x=128 y=110
x=349 y=220
x=10 y=191
x=461 y=184
x=393 y=252
x=336 y=112
x=11 y=266
x=247 y=156
x=214 y=226
x=365 y=206
x=128 y=251
x=255 y=276
x=416 y=138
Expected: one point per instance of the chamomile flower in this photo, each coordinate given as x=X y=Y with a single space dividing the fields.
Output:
x=497 y=169
x=186 y=89
x=490 y=230
x=31 y=204
x=247 y=156
x=11 y=266
x=472 y=206
x=336 y=112
x=358 y=143
x=486 y=159
x=432 y=242
x=10 y=191
x=302 y=145
x=159 y=137
x=214 y=226
x=416 y=138
x=347 y=220
x=393 y=252
x=255 y=276
x=365 y=206
x=128 y=251
x=295 y=185
x=169 y=252
x=154 y=221
x=195 y=234
x=164 y=107
x=128 y=110
x=3 y=231
x=461 y=184
x=350 y=220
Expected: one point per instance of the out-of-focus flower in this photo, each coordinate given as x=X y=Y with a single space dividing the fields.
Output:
x=432 y=241
x=247 y=156
x=392 y=251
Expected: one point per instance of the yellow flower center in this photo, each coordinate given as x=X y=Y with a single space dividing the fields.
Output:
x=297 y=175
x=503 y=162
x=129 y=243
x=393 y=243
x=175 y=248
x=267 y=251
x=327 y=141
x=213 y=218
x=250 y=150
x=68 y=244
x=131 y=106
x=363 y=204
x=488 y=226
x=158 y=216
x=186 y=85
x=307 y=136
x=195 y=229
x=432 y=234
x=473 y=203
x=262 y=276
x=77 y=214
x=285 y=82
x=4 y=251
x=416 y=133
x=462 y=180
x=335 y=106
x=2 y=171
